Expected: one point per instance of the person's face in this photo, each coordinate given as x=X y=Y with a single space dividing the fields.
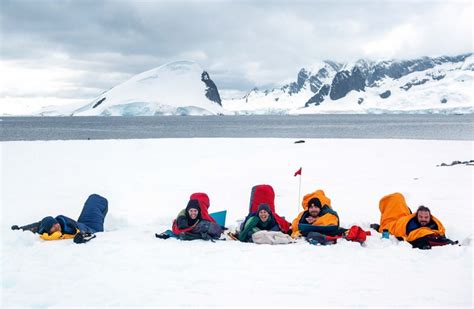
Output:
x=314 y=211
x=193 y=213
x=424 y=217
x=55 y=228
x=263 y=215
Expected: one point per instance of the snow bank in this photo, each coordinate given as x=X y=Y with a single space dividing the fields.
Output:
x=148 y=181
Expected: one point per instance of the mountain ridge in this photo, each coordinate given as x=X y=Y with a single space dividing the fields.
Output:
x=421 y=85
x=330 y=83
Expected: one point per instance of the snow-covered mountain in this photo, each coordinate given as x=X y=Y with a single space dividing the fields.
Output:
x=423 y=85
x=442 y=84
x=177 y=88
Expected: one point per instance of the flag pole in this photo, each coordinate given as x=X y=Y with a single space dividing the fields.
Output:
x=298 y=173
x=299 y=196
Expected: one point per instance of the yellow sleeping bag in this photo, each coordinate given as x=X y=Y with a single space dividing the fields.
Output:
x=57 y=236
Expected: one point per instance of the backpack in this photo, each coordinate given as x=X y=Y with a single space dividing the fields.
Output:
x=357 y=234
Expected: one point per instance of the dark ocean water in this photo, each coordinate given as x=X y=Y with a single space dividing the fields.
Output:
x=438 y=127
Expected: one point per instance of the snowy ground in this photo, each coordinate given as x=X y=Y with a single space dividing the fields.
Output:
x=148 y=181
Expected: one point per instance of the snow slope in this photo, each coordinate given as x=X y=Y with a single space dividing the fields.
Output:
x=147 y=182
x=172 y=89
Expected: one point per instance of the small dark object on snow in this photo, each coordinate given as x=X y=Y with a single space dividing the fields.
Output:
x=300 y=141
x=375 y=226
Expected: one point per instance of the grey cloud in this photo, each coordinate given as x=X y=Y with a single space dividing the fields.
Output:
x=241 y=43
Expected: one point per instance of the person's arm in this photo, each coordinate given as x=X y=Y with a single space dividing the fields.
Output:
x=432 y=240
x=68 y=226
x=33 y=227
x=328 y=229
x=181 y=220
x=329 y=218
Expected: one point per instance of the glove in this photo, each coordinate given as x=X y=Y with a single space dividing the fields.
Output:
x=438 y=240
x=162 y=236
x=81 y=238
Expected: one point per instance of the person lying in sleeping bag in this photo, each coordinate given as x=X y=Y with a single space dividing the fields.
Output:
x=194 y=223
x=421 y=229
x=91 y=220
x=317 y=216
x=262 y=220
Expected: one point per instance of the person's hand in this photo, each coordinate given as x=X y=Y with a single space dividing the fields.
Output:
x=310 y=220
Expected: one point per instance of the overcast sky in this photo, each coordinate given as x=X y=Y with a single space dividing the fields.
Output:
x=65 y=51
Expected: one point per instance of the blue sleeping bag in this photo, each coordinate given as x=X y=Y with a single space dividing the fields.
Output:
x=93 y=214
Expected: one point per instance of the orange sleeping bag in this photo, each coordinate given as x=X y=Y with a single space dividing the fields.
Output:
x=326 y=219
x=395 y=215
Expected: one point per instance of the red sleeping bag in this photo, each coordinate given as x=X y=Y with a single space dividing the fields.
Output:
x=264 y=194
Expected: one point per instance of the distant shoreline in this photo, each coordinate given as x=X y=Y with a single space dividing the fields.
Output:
x=351 y=126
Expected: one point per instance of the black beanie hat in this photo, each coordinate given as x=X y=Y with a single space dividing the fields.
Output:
x=264 y=207
x=46 y=224
x=316 y=202
x=193 y=204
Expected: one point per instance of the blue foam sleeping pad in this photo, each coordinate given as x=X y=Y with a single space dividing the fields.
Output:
x=219 y=217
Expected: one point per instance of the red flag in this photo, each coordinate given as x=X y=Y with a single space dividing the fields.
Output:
x=298 y=172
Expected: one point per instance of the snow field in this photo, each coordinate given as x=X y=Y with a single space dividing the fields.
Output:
x=147 y=182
